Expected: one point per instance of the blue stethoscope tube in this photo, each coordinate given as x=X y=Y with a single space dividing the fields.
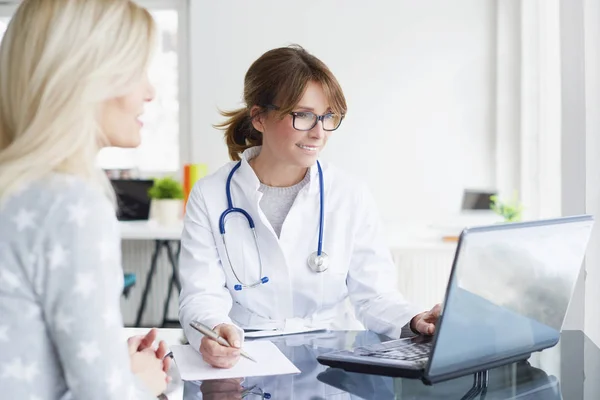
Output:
x=318 y=261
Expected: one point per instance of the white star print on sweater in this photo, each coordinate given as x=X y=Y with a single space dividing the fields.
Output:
x=60 y=287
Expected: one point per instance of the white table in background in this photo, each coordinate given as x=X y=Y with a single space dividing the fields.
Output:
x=164 y=237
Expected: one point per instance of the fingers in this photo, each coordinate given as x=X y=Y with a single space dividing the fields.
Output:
x=166 y=364
x=149 y=339
x=424 y=327
x=231 y=334
x=217 y=355
x=133 y=343
x=162 y=350
x=161 y=353
x=141 y=342
x=436 y=311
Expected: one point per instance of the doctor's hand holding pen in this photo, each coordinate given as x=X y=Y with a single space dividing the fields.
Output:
x=220 y=356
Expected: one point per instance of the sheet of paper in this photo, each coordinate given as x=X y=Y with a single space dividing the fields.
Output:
x=276 y=332
x=270 y=361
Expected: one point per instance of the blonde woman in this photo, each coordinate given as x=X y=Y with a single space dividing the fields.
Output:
x=73 y=80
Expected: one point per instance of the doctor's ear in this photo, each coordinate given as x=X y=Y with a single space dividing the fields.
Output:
x=257 y=116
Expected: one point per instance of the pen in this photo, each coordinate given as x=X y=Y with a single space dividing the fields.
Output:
x=206 y=331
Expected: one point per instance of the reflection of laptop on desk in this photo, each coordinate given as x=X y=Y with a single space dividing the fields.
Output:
x=507 y=297
x=519 y=381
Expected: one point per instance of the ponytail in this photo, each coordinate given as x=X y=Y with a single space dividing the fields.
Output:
x=239 y=132
x=278 y=78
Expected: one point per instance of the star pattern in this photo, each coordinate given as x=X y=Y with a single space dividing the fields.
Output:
x=30 y=311
x=111 y=318
x=89 y=351
x=63 y=322
x=78 y=214
x=84 y=284
x=20 y=371
x=78 y=281
x=24 y=219
x=57 y=257
x=8 y=279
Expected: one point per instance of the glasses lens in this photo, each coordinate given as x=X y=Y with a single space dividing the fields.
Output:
x=331 y=121
x=304 y=121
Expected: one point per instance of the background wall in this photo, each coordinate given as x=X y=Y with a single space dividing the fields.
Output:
x=418 y=76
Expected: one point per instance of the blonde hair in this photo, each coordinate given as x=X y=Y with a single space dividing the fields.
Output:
x=59 y=61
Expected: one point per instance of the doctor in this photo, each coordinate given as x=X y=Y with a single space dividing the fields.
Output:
x=277 y=239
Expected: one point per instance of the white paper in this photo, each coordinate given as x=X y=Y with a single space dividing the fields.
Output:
x=269 y=361
x=277 y=332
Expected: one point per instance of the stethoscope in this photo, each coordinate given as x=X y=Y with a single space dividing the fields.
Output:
x=318 y=261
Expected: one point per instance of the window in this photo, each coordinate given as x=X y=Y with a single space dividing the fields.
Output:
x=160 y=148
x=3 y=25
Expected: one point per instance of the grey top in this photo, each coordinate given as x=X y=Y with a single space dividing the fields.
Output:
x=61 y=329
x=277 y=201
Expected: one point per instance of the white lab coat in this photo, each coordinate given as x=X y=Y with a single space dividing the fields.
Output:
x=361 y=266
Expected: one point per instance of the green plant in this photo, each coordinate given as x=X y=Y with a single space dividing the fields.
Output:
x=166 y=188
x=510 y=211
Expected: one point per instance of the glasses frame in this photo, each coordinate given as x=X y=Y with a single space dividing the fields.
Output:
x=294 y=114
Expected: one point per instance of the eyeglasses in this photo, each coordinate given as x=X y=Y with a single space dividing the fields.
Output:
x=306 y=120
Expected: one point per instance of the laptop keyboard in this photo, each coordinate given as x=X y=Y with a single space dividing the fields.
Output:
x=397 y=350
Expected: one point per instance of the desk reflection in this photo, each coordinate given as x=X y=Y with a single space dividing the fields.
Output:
x=516 y=381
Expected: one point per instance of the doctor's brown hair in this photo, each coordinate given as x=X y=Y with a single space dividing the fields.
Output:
x=279 y=77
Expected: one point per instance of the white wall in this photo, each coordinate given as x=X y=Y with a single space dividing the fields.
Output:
x=580 y=34
x=592 y=143
x=418 y=76
x=573 y=133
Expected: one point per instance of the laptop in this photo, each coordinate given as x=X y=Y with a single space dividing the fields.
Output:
x=507 y=297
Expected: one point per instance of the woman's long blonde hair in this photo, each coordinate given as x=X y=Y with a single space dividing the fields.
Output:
x=59 y=61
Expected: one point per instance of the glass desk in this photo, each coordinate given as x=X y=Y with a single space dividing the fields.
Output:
x=556 y=373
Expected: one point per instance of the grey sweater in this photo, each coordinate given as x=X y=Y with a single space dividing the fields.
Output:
x=276 y=202
x=61 y=330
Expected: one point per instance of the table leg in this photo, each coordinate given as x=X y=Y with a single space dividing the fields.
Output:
x=157 y=247
x=174 y=279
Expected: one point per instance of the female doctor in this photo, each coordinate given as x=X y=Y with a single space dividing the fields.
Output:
x=277 y=239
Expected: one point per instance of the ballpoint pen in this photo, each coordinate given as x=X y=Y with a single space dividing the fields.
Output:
x=206 y=331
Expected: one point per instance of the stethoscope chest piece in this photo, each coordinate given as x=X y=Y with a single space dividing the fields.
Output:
x=318 y=263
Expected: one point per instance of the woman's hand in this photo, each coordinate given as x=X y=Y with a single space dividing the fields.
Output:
x=143 y=342
x=149 y=369
x=220 y=356
x=149 y=364
x=426 y=322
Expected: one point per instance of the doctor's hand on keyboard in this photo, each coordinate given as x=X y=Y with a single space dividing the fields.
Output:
x=221 y=356
x=426 y=322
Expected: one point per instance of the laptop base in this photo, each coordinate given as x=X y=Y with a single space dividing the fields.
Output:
x=415 y=372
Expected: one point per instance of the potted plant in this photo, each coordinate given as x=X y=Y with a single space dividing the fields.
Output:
x=167 y=200
x=510 y=211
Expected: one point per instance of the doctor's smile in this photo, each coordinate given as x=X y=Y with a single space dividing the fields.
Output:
x=260 y=233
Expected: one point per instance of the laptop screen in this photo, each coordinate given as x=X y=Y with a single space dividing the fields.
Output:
x=509 y=291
